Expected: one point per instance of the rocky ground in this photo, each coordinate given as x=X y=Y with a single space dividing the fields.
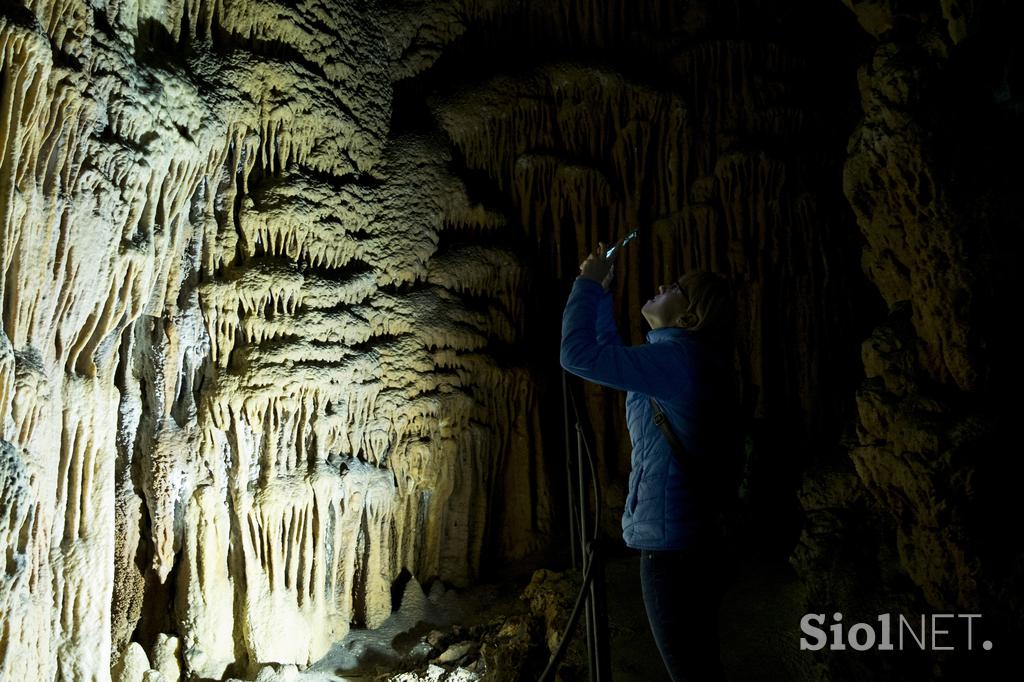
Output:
x=504 y=632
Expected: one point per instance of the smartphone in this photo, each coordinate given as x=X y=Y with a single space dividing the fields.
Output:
x=625 y=240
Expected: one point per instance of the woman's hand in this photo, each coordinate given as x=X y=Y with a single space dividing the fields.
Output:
x=607 y=281
x=597 y=267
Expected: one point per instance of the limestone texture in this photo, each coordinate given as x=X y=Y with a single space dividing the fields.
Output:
x=927 y=485
x=239 y=393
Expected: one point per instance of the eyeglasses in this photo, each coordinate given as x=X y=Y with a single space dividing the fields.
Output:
x=676 y=288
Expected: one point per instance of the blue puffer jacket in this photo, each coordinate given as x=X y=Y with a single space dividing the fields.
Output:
x=690 y=379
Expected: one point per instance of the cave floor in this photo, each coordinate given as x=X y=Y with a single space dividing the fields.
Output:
x=759 y=625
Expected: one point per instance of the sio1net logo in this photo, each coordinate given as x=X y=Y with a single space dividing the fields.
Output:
x=935 y=632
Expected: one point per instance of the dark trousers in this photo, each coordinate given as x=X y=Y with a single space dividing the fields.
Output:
x=682 y=592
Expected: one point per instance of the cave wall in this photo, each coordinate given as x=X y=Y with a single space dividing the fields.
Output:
x=240 y=394
x=913 y=513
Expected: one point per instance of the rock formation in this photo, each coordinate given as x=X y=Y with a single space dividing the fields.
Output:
x=239 y=394
x=926 y=483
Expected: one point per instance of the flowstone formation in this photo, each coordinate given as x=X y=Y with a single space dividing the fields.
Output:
x=243 y=386
x=711 y=143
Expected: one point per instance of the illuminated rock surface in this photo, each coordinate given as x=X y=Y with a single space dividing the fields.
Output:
x=281 y=284
x=238 y=397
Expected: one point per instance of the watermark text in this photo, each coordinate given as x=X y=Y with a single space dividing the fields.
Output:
x=933 y=632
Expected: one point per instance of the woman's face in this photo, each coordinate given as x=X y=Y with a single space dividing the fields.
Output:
x=667 y=308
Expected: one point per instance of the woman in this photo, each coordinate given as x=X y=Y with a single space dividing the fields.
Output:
x=684 y=371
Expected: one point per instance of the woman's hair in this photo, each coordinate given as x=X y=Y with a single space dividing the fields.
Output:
x=711 y=302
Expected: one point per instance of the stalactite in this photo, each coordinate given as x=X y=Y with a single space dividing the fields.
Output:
x=279 y=393
x=588 y=22
x=482 y=271
x=80 y=557
x=418 y=33
x=7 y=379
x=659 y=144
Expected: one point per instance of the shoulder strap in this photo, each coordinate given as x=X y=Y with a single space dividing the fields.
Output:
x=662 y=422
x=696 y=467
